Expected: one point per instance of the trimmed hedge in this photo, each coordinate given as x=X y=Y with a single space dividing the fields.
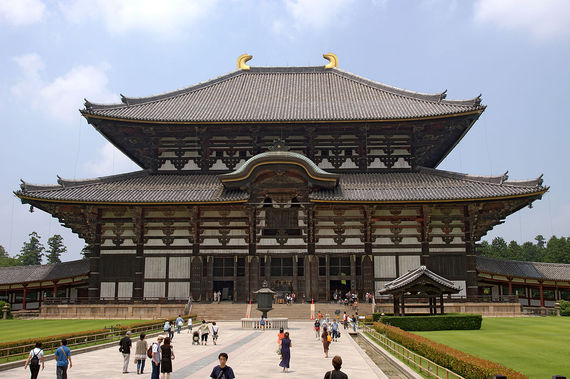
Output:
x=464 y=364
x=457 y=321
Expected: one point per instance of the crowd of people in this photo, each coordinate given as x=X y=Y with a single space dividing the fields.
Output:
x=161 y=352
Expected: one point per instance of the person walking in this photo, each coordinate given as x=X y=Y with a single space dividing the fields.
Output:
x=345 y=320
x=326 y=338
x=354 y=323
x=179 y=323
x=204 y=331
x=156 y=358
x=166 y=327
x=336 y=373
x=285 y=352
x=215 y=330
x=317 y=326
x=34 y=358
x=125 y=348
x=63 y=357
x=222 y=371
x=189 y=325
x=166 y=357
x=140 y=353
x=171 y=330
x=334 y=327
x=262 y=323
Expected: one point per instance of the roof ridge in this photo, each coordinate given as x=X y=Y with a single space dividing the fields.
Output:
x=429 y=97
x=491 y=179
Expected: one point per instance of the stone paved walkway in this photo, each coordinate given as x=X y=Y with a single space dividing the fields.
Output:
x=252 y=354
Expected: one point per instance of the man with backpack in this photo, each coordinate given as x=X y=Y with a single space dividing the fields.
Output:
x=125 y=347
x=36 y=355
x=154 y=354
x=63 y=357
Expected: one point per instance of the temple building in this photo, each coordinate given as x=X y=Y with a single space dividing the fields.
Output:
x=312 y=178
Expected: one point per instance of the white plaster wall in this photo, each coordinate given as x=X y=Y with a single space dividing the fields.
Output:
x=179 y=267
x=385 y=266
x=408 y=262
x=154 y=289
x=125 y=290
x=155 y=268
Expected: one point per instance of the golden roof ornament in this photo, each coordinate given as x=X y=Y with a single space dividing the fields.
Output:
x=333 y=60
x=241 y=61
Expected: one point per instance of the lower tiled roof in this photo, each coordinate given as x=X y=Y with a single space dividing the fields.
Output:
x=519 y=269
x=146 y=187
x=35 y=273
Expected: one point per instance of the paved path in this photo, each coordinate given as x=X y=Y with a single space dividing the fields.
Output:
x=252 y=354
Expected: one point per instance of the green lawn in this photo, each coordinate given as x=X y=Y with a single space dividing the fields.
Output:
x=536 y=346
x=12 y=330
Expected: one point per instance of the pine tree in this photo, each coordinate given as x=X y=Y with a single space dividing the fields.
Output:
x=3 y=252
x=55 y=249
x=31 y=251
x=86 y=251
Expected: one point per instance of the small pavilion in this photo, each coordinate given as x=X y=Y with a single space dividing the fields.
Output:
x=419 y=283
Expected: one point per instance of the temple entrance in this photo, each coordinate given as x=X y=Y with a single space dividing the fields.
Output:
x=341 y=287
x=226 y=287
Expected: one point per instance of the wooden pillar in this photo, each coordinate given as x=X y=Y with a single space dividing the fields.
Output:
x=396 y=305
x=441 y=303
x=92 y=218
x=24 y=298
x=138 y=280
x=295 y=276
x=510 y=287
x=541 y=295
x=403 y=306
x=55 y=288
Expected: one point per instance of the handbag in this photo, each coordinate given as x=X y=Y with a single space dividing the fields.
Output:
x=278 y=351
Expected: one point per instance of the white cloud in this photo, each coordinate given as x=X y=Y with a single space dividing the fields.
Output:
x=63 y=96
x=155 y=16
x=110 y=161
x=543 y=19
x=22 y=12
x=312 y=14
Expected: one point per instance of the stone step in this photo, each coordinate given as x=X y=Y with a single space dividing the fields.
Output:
x=229 y=311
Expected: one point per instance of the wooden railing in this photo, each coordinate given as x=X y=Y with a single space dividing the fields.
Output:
x=411 y=359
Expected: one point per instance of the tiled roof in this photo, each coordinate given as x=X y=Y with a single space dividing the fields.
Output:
x=422 y=185
x=138 y=187
x=34 y=273
x=413 y=275
x=534 y=270
x=289 y=94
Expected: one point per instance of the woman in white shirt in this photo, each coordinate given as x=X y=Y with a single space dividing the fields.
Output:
x=36 y=356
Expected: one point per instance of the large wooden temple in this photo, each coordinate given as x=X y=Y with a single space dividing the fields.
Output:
x=312 y=178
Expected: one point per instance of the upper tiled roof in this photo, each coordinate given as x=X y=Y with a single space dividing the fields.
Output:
x=34 y=273
x=534 y=270
x=413 y=275
x=288 y=94
x=145 y=187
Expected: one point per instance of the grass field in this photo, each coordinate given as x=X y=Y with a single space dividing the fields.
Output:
x=536 y=346
x=12 y=330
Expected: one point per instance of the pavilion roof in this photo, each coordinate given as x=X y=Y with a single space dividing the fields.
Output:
x=284 y=94
x=35 y=273
x=520 y=269
x=422 y=185
x=419 y=276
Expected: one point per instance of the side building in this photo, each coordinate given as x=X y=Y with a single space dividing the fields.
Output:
x=311 y=178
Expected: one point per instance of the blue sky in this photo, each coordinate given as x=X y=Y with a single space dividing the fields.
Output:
x=55 y=53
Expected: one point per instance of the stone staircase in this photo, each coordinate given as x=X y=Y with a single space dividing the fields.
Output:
x=226 y=311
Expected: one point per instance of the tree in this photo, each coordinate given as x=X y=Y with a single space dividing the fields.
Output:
x=3 y=252
x=31 y=252
x=55 y=248
x=86 y=251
